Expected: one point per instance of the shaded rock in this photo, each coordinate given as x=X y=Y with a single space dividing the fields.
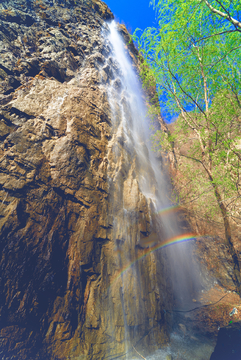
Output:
x=51 y=69
x=9 y=84
x=16 y=16
x=228 y=345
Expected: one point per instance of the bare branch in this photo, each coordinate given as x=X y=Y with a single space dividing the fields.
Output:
x=198 y=196
x=217 y=34
x=192 y=158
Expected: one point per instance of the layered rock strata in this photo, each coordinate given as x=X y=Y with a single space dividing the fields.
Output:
x=63 y=176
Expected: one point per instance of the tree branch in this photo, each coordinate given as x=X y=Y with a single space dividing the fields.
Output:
x=224 y=56
x=197 y=196
x=227 y=16
x=184 y=92
x=190 y=157
x=217 y=34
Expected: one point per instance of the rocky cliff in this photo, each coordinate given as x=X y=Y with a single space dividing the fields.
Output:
x=64 y=174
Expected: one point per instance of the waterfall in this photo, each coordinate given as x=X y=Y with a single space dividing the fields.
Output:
x=130 y=144
x=85 y=213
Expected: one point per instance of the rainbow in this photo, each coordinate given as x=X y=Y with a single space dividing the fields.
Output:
x=174 y=240
x=167 y=210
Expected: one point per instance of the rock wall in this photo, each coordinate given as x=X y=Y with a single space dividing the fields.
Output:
x=62 y=231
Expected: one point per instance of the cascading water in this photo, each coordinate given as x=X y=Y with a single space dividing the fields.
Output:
x=83 y=206
x=130 y=144
x=136 y=134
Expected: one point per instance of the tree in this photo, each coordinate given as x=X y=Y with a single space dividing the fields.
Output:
x=193 y=57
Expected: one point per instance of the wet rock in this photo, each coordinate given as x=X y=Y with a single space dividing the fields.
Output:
x=109 y=72
x=117 y=84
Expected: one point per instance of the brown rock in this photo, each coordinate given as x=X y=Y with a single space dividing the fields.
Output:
x=71 y=208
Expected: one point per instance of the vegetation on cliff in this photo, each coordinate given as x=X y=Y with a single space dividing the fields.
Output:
x=193 y=58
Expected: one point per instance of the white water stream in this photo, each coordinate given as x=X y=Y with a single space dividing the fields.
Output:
x=133 y=132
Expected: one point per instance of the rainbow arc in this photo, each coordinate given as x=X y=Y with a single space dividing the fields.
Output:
x=172 y=241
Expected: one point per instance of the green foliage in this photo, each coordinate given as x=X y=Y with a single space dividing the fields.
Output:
x=186 y=34
x=193 y=57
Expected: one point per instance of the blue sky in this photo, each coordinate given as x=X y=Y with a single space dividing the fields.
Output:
x=134 y=13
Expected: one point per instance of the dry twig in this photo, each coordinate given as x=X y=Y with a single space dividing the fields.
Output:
x=138 y=353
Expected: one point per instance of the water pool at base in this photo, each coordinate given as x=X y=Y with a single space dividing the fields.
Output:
x=183 y=348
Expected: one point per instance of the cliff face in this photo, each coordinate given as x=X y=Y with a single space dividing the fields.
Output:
x=63 y=174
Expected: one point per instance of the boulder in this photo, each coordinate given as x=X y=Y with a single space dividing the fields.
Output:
x=228 y=345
